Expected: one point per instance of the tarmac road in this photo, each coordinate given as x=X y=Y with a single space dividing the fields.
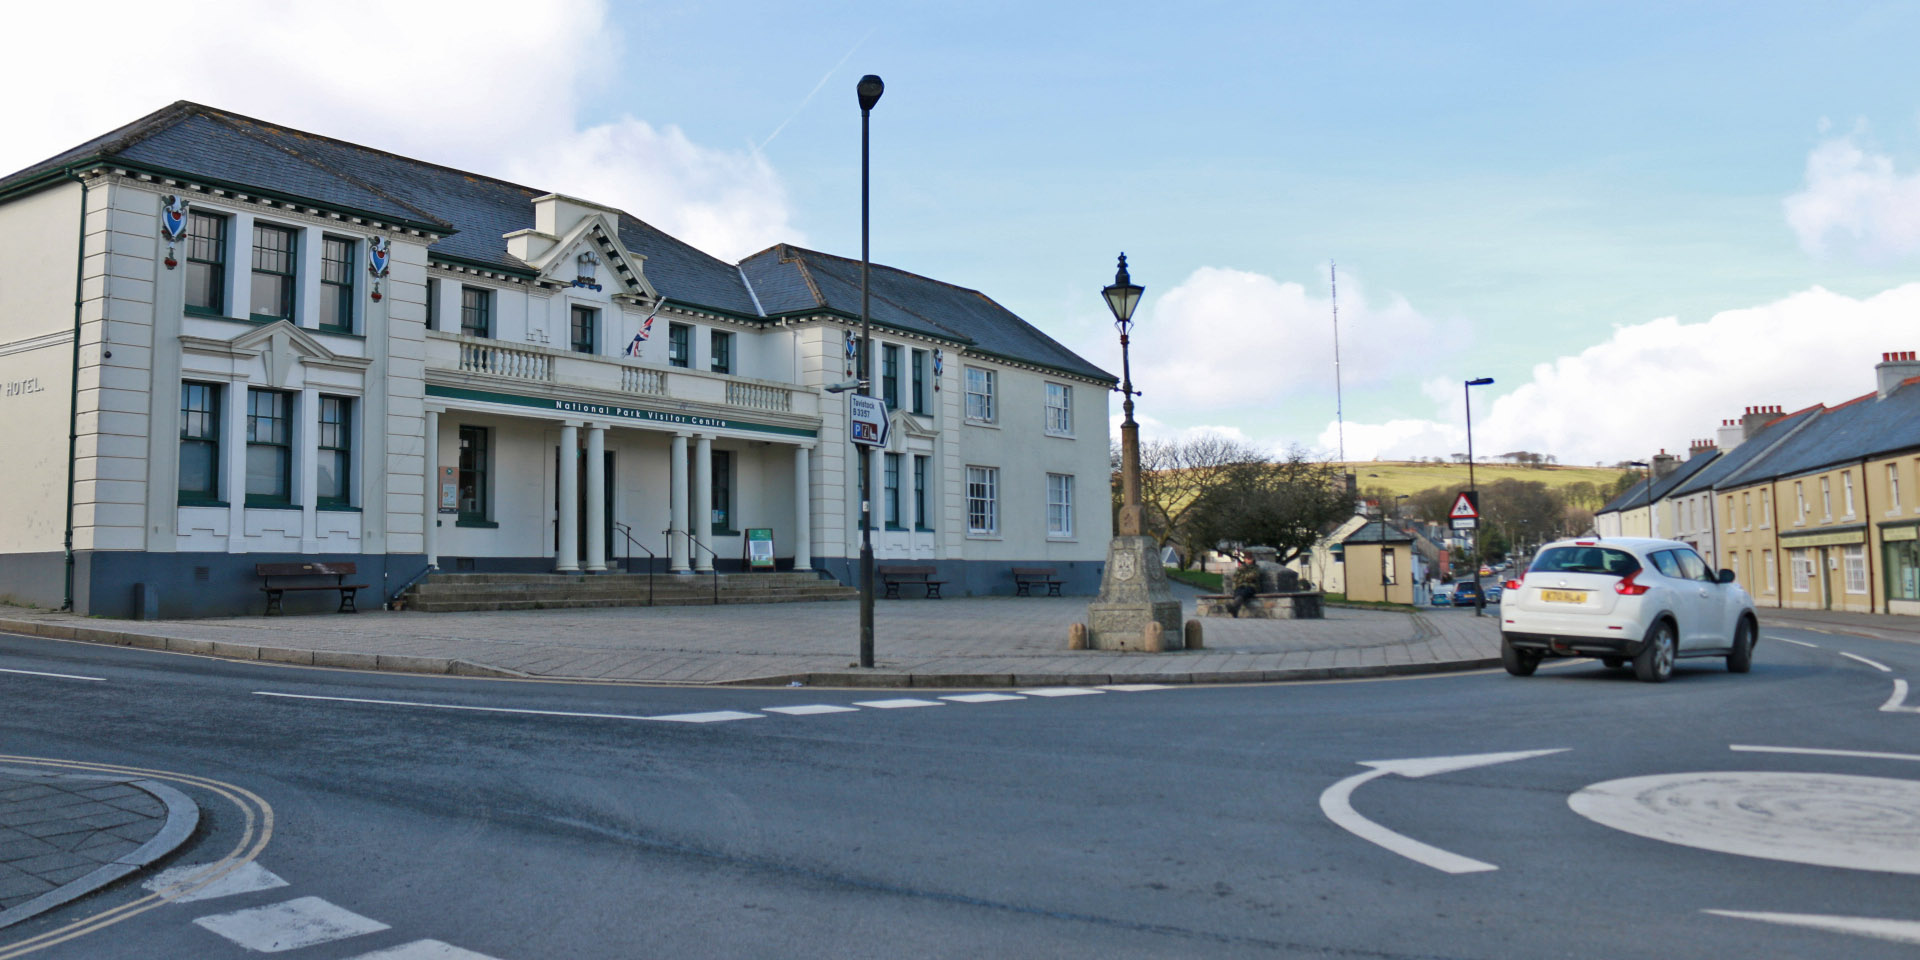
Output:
x=416 y=817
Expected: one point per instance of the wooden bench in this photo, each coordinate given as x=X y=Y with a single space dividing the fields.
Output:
x=1026 y=578
x=308 y=571
x=895 y=575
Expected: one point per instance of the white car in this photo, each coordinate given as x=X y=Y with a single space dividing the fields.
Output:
x=1627 y=599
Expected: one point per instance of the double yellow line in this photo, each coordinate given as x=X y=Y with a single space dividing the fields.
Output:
x=256 y=830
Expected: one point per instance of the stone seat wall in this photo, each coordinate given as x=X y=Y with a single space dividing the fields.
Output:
x=1302 y=605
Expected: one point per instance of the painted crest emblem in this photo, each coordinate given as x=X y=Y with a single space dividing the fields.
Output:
x=379 y=255
x=173 y=217
x=1126 y=566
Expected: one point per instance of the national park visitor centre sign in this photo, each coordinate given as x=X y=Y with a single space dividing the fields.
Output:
x=612 y=410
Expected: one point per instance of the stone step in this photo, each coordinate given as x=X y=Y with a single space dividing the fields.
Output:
x=779 y=577
x=624 y=585
x=561 y=603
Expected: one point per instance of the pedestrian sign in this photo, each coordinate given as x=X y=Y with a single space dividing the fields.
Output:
x=1465 y=507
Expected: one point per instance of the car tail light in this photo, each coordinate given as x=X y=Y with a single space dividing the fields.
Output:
x=1513 y=584
x=1627 y=588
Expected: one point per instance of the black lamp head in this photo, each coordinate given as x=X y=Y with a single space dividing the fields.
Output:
x=870 y=89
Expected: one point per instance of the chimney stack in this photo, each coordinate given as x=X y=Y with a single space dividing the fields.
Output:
x=1698 y=447
x=1729 y=435
x=1663 y=464
x=1893 y=368
x=1755 y=418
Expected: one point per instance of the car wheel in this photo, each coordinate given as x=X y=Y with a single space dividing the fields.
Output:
x=1654 y=663
x=1613 y=663
x=1741 y=659
x=1520 y=663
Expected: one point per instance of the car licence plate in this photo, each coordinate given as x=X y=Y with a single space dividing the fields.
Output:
x=1563 y=596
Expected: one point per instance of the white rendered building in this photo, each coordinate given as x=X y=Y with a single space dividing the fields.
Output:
x=272 y=346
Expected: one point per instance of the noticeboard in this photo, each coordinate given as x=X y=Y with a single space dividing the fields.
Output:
x=760 y=548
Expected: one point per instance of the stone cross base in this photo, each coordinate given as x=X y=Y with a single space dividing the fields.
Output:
x=1133 y=593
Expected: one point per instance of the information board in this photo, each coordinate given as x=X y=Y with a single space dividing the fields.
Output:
x=760 y=547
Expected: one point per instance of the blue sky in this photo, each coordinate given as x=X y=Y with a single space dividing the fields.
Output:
x=1508 y=188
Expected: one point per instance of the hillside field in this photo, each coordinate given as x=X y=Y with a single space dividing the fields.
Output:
x=1409 y=478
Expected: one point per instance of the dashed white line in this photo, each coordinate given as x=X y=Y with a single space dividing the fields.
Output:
x=898 y=704
x=297 y=923
x=455 y=706
x=980 y=697
x=1883 y=668
x=423 y=950
x=1898 y=931
x=1818 y=752
x=1061 y=692
x=61 y=676
x=710 y=716
x=1801 y=643
x=808 y=710
x=1897 y=702
x=1134 y=687
x=246 y=878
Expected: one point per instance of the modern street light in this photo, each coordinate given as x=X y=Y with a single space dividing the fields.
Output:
x=1122 y=296
x=1479 y=601
x=869 y=90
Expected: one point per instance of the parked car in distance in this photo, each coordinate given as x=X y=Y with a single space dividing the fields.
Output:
x=1465 y=593
x=1442 y=597
x=1493 y=592
x=1644 y=601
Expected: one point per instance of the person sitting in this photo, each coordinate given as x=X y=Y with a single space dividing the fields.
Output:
x=1246 y=583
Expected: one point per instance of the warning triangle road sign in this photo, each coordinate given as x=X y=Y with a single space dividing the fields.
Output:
x=1465 y=507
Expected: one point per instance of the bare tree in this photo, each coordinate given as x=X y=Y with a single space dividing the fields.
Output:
x=1176 y=474
x=1287 y=504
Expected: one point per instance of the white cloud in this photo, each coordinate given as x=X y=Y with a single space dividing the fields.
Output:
x=1859 y=199
x=1662 y=383
x=492 y=86
x=1236 y=340
x=1152 y=429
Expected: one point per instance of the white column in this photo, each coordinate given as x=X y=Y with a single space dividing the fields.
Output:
x=676 y=539
x=307 y=470
x=703 y=502
x=566 y=553
x=432 y=487
x=596 y=498
x=234 y=437
x=802 y=509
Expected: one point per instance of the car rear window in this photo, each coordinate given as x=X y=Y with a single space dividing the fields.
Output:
x=1606 y=560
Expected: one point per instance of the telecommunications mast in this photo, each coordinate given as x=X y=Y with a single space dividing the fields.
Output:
x=1339 y=415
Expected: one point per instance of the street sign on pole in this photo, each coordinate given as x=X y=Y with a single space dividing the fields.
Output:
x=1466 y=506
x=867 y=420
x=1465 y=523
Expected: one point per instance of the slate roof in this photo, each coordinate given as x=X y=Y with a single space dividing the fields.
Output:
x=474 y=212
x=1863 y=427
x=1733 y=461
x=1377 y=531
x=792 y=279
x=1663 y=487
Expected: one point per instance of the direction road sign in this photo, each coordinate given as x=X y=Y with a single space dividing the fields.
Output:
x=867 y=418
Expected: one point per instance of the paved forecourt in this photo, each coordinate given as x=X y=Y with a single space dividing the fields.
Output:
x=976 y=641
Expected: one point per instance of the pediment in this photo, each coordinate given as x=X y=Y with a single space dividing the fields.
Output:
x=618 y=270
x=280 y=346
x=909 y=425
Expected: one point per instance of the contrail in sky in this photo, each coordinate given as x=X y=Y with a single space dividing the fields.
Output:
x=816 y=89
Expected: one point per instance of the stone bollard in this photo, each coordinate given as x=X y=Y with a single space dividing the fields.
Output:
x=1193 y=635
x=1155 y=640
x=1077 y=637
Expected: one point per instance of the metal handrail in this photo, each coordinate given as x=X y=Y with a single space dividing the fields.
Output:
x=652 y=558
x=715 y=568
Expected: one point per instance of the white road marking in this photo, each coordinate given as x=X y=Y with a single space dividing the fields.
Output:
x=711 y=716
x=1883 y=668
x=1823 y=819
x=1060 y=692
x=423 y=950
x=810 y=709
x=1335 y=804
x=290 y=925
x=61 y=676
x=1135 y=687
x=1802 y=643
x=246 y=878
x=455 y=706
x=1817 y=752
x=899 y=704
x=1898 y=931
x=1896 y=703
x=980 y=697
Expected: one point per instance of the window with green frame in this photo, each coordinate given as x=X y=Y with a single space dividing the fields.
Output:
x=890 y=375
x=334 y=471
x=275 y=273
x=269 y=448
x=206 y=263
x=475 y=503
x=723 y=492
x=199 y=443
x=679 y=345
x=919 y=359
x=476 y=311
x=586 y=321
x=890 y=490
x=920 y=516
x=336 y=284
x=722 y=349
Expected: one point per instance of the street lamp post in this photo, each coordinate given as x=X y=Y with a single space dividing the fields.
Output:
x=1133 y=585
x=1647 y=466
x=1479 y=599
x=869 y=90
